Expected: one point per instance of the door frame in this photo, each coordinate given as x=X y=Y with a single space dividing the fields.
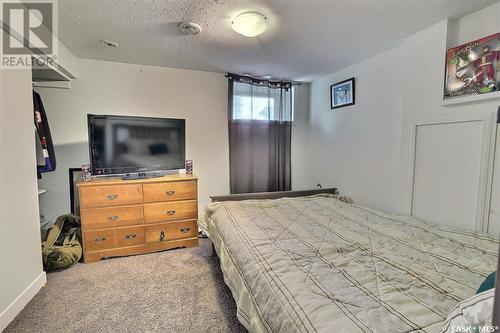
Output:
x=486 y=164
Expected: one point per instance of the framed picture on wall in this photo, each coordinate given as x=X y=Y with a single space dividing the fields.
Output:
x=473 y=68
x=342 y=94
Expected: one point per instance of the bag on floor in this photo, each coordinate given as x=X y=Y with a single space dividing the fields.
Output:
x=63 y=247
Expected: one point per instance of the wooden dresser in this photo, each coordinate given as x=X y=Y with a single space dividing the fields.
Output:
x=124 y=217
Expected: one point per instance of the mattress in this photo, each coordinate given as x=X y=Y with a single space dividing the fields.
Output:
x=317 y=264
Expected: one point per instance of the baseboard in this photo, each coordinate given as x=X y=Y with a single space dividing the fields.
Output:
x=20 y=302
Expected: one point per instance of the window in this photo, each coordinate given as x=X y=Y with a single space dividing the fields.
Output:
x=255 y=108
x=260 y=134
x=262 y=103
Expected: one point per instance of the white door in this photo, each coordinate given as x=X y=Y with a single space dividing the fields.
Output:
x=453 y=172
x=494 y=218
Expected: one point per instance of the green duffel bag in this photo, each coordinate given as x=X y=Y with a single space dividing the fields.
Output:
x=63 y=247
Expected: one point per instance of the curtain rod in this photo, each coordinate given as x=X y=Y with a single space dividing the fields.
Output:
x=293 y=83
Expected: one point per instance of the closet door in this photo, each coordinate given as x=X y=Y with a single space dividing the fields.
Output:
x=451 y=173
x=494 y=219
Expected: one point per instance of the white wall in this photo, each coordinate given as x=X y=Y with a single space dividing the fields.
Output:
x=425 y=79
x=21 y=274
x=365 y=149
x=125 y=89
x=479 y=24
x=299 y=138
x=357 y=148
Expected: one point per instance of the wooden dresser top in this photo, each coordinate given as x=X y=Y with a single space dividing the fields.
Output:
x=118 y=181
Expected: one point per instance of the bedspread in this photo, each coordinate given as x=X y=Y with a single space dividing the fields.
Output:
x=316 y=264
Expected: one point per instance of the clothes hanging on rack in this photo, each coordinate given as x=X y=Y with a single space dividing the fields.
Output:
x=43 y=132
x=40 y=158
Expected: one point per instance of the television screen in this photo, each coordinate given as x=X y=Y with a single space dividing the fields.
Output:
x=124 y=144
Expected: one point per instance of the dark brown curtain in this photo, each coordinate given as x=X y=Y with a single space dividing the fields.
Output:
x=260 y=129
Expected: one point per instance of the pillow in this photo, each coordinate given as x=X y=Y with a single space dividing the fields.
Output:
x=158 y=148
x=487 y=284
x=472 y=315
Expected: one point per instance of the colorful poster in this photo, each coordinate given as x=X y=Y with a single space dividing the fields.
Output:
x=473 y=68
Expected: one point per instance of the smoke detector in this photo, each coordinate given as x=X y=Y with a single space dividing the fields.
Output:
x=190 y=28
x=109 y=43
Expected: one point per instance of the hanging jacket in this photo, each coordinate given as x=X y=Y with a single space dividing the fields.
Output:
x=43 y=131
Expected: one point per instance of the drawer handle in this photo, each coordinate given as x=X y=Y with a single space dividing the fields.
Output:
x=130 y=236
x=170 y=192
x=100 y=239
x=184 y=229
x=170 y=212
x=112 y=196
x=162 y=236
x=113 y=218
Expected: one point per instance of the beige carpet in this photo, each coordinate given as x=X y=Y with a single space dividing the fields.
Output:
x=172 y=291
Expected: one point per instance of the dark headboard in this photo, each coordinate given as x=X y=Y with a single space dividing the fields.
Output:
x=271 y=195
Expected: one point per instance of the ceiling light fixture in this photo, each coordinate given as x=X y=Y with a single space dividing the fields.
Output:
x=110 y=43
x=249 y=24
x=190 y=28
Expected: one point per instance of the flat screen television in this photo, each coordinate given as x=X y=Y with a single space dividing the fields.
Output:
x=128 y=145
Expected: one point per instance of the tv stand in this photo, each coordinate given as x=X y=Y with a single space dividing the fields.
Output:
x=138 y=216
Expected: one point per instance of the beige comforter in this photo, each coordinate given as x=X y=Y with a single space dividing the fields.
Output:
x=316 y=264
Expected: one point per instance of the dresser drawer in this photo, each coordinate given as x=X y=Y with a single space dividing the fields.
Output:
x=99 y=239
x=171 y=231
x=129 y=236
x=103 y=196
x=169 y=191
x=111 y=217
x=170 y=211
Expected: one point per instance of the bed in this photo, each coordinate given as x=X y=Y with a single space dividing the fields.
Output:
x=318 y=264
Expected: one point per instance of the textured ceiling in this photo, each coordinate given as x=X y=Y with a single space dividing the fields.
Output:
x=306 y=39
